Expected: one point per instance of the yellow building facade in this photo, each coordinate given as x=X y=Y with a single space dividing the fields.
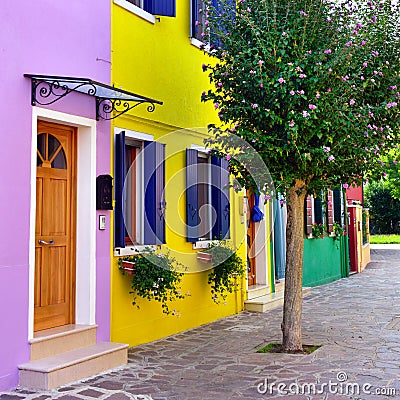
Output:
x=156 y=57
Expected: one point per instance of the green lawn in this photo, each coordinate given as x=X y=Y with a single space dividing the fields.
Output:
x=384 y=239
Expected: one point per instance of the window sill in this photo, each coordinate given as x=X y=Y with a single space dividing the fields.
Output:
x=199 y=44
x=136 y=10
x=133 y=250
x=204 y=244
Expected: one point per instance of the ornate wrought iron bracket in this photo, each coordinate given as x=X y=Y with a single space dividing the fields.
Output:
x=110 y=101
x=112 y=108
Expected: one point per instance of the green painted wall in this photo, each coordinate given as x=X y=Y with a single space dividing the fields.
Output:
x=323 y=261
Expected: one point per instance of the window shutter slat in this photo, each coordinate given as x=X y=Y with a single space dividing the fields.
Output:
x=154 y=179
x=119 y=232
x=220 y=197
x=166 y=8
x=191 y=195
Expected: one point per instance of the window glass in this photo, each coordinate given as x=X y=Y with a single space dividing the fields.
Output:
x=49 y=150
x=204 y=198
x=131 y=204
x=138 y=3
x=41 y=146
x=59 y=162
x=198 y=19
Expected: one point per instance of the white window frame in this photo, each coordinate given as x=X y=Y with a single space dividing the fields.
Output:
x=137 y=10
x=130 y=137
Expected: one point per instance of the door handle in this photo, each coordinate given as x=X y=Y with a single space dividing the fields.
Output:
x=44 y=242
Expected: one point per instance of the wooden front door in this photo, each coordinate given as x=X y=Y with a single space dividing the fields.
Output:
x=55 y=226
x=251 y=233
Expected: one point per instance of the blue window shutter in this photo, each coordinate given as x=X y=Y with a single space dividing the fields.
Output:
x=220 y=197
x=166 y=8
x=154 y=180
x=119 y=179
x=192 y=215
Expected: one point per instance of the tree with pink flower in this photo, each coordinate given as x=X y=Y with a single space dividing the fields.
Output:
x=325 y=86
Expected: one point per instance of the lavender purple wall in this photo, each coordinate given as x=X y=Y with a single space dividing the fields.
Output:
x=70 y=38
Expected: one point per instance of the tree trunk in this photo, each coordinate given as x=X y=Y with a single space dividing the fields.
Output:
x=292 y=306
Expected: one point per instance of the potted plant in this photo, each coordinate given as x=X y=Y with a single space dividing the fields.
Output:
x=338 y=230
x=227 y=267
x=153 y=276
x=317 y=231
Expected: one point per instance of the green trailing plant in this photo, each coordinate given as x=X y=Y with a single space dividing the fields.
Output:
x=318 y=231
x=338 y=230
x=154 y=276
x=227 y=268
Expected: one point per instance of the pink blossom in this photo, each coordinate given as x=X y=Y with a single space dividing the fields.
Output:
x=254 y=105
x=312 y=106
x=331 y=158
x=283 y=34
x=393 y=87
x=291 y=124
x=372 y=80
x=301 y=76
x=327 y=149
x=197 y=23
x=252 y=72
x=267 y=197
x=362 y=42
x=261 y=85
x=228 y=157
x=365 y=64
x=395 y=162
x=317 y=95
x=292 y=92
x=305 y=114
x=260 y=63
x=351 y=102
x=349 y=43
x=328 y=51
x=345 y=185
x=281 y=80
x=216 y=105
x=219 y=84
x=206 y=22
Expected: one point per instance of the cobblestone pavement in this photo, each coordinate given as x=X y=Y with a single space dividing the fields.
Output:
x=354 y=319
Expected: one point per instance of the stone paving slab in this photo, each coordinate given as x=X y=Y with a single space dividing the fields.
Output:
x=359 y=359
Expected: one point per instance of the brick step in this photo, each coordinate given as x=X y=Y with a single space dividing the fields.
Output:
x=51 y=372
x=268 y=302
x=51 y=342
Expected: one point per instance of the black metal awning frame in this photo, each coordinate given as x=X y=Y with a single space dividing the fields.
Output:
x=110 y=101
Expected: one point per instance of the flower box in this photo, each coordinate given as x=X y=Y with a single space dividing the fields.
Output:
x=204 y=257
x=128 y=267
